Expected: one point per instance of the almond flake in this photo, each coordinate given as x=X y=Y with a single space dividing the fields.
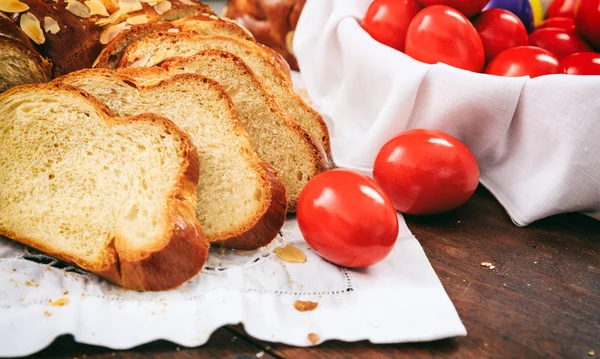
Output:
x=244 y=252
x=162 y=7
x=97 y=8
x=137 y=20
x=111 y=32
x=159 y=57
x=187 y=2
x=78 y=9
x=31 y=26
x=173 y=31
x=50 y=25
x=60 y=302
x=289 y=253
x=305 y=306
x=150 y=82
x=111 y=19
x=141 y=62
x=127 y=6
x=313 y=338
x=13 y=6
x=151 y=2
x=289 y=39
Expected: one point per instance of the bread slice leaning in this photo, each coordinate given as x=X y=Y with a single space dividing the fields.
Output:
x=204 y=24
x=276 y=138
x=114 y=196
x=241 y=201
x=139 y=54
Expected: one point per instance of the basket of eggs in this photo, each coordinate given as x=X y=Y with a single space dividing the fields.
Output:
x=517 y=81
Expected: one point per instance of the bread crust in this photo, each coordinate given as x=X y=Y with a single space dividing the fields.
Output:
x=77 y=44
x=127 y=60
x=111 y=54
x=179 y=254
x=263 y=227
x=11 y=36
x=270 y=22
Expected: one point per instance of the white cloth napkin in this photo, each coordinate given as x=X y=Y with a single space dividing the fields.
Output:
x=398 y=300
x=537 y=140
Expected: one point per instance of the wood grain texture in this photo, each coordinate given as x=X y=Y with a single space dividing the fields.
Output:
x=541 y=300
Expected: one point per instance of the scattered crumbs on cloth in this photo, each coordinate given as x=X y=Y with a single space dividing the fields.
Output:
x=305 y=306
x=47 y=313
x=59 y=302
x=313 y=338
x=260 y=354
x=591 y=353
x=489 y=265
x=290 y=253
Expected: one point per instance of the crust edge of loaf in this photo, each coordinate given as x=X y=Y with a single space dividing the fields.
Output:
x=183 y=242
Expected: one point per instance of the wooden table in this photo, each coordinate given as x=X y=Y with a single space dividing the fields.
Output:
x=542 y=299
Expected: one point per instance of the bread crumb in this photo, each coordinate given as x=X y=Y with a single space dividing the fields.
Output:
x=591 y=353
x=305 y=306
x=59 y=302
x=28 y=283
x=260 y=354
x=244 y=252
x=290 y=253
x=47 y=313
x=489 y=265
x=313 y=338
x=492 y=267
x=14 y=269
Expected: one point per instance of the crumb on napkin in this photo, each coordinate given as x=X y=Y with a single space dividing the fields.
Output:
x=290 y=253
x=305 y=306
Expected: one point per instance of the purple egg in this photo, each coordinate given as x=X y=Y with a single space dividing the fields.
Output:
x=521 y=8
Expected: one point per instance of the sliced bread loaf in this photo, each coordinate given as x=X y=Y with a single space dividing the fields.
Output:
x=115 y=196
x=140 y=52
x=204 y=24
x=241 y=202
x=276 y=138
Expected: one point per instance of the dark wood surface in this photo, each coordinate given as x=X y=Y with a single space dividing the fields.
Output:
x=541 y=300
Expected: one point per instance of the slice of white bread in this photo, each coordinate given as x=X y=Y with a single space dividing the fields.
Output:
x=241 y=201
x=204 y=24
x=139 y=53
x=114 y=196
x=277 y=139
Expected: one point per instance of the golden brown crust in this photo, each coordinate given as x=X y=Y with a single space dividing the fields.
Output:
x=111 y=54
x=77 y=44
x=271 y=22
x=180 y=254
x=203 y=24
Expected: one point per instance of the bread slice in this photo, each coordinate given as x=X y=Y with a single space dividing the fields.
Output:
x=241 y=202
x=276 y=138
x=185 y=44
x=19 y=62
x=115 y=196
x=200 y=24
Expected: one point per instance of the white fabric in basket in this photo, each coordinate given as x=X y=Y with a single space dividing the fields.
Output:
x=398 y=300
x=537 y=140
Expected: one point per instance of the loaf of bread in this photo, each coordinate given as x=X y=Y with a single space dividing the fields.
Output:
x=276 y=138
x=241 y=201
x=272 y=22
x=144 y=53
x=115 y=196
x=71 y=34
x=20 y=63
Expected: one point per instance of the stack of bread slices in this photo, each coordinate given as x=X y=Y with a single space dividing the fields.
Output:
x=186 y=133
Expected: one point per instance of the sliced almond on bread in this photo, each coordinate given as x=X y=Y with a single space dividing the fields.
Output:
x=276 y=138
x=261 y=62
x=114 y=196
x=241 y=202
